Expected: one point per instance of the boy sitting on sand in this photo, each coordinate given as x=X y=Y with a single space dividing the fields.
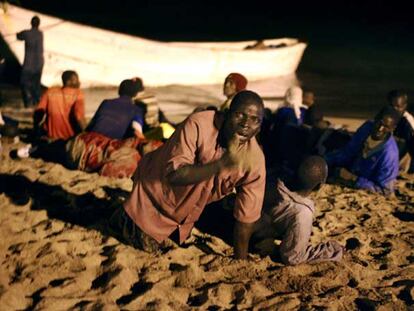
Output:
x=288 y=213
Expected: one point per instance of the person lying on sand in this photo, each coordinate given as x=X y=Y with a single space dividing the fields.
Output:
x=370 y=160
x=209 y=155
x=288 y=212
x=61 y=110
x=234 y=83
x=109 y=145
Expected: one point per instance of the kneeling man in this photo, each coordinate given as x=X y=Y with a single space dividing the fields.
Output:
x=210 y=155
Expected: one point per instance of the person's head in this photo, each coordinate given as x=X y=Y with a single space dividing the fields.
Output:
x=129 y=88
x=311 y=174
x=70 y=79
x=293 y=96
x=234 y=82
x=35 y=22
x=244 y=116
x=138 y=83
x=315 y=117
x=398 y=99
x=308 y=98
x=385 y=123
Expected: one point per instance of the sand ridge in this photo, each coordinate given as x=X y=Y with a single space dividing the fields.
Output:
x=55 y=252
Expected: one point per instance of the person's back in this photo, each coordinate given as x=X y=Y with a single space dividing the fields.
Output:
x=288 y=215
x=115 y=116
x=286 y=116
x=119 y=118
x=33 y=44
x=33 y=63
x=63 y=108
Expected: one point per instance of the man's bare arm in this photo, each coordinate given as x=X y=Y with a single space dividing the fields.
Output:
x=193 y=174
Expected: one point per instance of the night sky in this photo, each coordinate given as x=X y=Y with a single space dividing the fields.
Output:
x=231 y=20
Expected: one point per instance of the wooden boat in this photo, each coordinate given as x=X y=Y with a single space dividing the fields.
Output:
x=104 y=58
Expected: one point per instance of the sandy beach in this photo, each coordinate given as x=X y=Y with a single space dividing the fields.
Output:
x=56 y=253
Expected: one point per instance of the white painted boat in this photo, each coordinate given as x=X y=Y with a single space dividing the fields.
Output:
x=104 y=58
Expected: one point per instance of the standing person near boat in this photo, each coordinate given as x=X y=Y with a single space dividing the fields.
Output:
x=33 y=63
x=234 y=83
x=209 y=155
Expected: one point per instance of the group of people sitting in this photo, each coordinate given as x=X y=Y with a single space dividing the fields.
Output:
x=115 y=138
x=270 y=162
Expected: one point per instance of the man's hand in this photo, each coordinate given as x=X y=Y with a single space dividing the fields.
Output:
x=347 y=175
x=238 y=155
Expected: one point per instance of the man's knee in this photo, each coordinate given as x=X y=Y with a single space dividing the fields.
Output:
x=126 y=230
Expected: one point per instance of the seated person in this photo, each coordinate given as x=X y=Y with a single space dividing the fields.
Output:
x=291 y=114
x=109 y=146
x=293 y=110
x=60 y=113
x=288 y=215
x=234 y=83
x=119 y=118
x=370 y=160
x=156 y=125
x=404 y=132
x=313 y=114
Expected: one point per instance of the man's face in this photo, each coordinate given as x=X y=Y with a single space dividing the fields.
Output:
x=400 y=103
x=74 y=81
x=229 y=88
x=244 y=122
x=308 y=99
x=382 y=128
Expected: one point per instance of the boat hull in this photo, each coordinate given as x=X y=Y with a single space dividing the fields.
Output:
x=104 y=58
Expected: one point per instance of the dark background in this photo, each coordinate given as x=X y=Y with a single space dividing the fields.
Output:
x=357 y=50
x=353 y=31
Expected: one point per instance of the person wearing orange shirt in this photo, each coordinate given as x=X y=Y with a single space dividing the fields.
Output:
x=61 y=110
